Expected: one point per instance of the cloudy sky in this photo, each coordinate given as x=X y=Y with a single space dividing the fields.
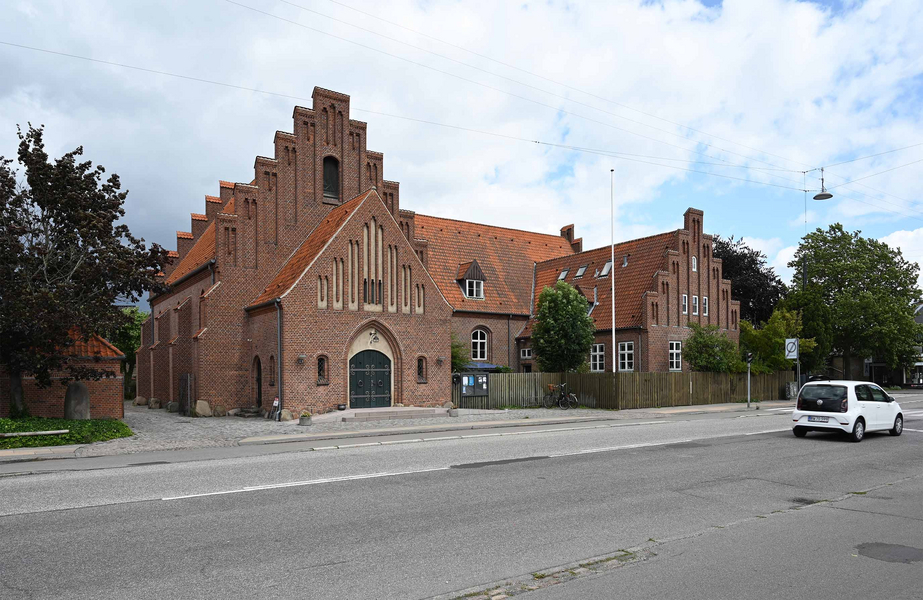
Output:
x=718 y=105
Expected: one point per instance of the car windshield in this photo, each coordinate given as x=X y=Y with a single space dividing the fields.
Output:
x=823 y=392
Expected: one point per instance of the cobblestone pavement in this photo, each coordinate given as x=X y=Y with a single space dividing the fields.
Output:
x=159 y=430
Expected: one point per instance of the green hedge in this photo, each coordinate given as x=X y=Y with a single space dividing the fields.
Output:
x=81 y=432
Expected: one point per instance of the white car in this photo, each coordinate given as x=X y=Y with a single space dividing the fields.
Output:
x=853 y=407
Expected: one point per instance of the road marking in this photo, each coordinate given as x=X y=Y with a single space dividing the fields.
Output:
x=768 y=431
x=916 y=430
x=787 y=409
x=915 y=413
x=272 y=486
x=614 y=448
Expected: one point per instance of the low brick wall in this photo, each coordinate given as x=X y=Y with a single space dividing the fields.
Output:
x=105 y=394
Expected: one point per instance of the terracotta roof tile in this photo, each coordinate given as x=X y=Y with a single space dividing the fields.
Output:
x=225 y=184
x=506 y=256
x=184 y=235
x=645 y=258
x=199 y=217
x=302 y=258
x=214 y=199
x=200 y=253
x=462 y=269
x=172 y=254
x=95 y=346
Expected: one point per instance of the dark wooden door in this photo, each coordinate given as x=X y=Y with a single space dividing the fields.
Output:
x=369 y=380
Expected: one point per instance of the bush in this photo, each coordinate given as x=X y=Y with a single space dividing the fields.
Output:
x=81 y=432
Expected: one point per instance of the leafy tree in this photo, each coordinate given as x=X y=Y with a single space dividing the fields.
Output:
x=461 y=356
x=127 y=338
x=871 y=291
x=754 y=283
x=768 y=342
x=563 y=331
x=64 y=262
x=708 y=349
x=817 y=324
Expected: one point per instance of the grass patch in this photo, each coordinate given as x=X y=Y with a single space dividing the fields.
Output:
x=81 y=432
x=539 y=575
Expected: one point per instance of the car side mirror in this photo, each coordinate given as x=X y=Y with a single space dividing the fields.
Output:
x=890 y=398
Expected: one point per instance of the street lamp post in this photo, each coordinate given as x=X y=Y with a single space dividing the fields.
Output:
x=612 y=258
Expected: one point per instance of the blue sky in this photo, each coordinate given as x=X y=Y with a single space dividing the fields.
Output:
x=653 y=90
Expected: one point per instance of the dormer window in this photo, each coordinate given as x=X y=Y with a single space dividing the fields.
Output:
x=581 y=271
x=606 y=269
x=563 y=274
x=474 y=288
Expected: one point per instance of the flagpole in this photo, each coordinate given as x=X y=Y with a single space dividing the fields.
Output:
x=612 y=258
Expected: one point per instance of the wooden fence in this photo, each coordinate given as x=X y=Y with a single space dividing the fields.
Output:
x=627 y=390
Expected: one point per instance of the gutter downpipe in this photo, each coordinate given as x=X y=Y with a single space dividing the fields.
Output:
x=278 y=302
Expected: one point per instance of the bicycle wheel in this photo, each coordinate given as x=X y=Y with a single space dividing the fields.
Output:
x=549 y=400
x=572 y=401
x=563 y=402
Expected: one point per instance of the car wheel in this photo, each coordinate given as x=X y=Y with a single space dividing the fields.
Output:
x=898 y=426
x=858 y=431
x=800 y=431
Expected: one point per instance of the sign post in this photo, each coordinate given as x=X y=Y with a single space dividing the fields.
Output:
x=749 y=360
x=792 y=352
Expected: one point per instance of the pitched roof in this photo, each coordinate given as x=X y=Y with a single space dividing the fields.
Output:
x=96 y=346
x=184 y=235
x=302 y=257
x=215 y=199
x=645 y=258
x=200 y=253
x=199 y=217
x=506 y=256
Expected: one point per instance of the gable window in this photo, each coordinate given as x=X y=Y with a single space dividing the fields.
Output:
x=421 y=370
x=606 y=268
x=474 y=288
x=626 y=356
x=331 y=178
x=695 y=264
x=685 y=304
x=563 y=274
x=676 y=356
x=695 y=305
x=525 y=354
x=705 y=305
x=478 y=344
x=581 y=271
x=598 y=358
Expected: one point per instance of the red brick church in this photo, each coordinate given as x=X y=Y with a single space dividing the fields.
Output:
x=311 y=284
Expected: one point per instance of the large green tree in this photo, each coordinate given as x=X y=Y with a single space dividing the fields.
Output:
x=563 y=331
x=127 y=338
x=816 y=324
x=64 y=262
x=709 y=349
x=753 y=282
x=767 y=343
x=871 y=292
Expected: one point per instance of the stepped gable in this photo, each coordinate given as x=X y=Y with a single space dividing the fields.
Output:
x=645 y=258
x=506 y=256
x=200 y=253
x=301 y=259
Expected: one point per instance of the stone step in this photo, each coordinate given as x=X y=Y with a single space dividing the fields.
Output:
x=390 y=415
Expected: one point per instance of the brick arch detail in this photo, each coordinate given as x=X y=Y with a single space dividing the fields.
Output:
x=397 y=363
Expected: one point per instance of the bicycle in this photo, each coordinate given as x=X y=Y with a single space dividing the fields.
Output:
x=557 y=396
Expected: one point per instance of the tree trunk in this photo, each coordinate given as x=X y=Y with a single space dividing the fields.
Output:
x=17 y=406
x=846 y=369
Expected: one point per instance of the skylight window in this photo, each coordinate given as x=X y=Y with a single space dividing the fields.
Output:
x=606 y=268
x=563 y=274
x=581 y=271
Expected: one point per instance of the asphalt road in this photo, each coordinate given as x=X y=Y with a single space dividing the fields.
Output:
x=695 y=501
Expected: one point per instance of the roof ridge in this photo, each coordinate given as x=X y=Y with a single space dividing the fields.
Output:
x=551 y=235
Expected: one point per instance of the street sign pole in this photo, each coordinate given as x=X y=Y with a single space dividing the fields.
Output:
x=748 y=385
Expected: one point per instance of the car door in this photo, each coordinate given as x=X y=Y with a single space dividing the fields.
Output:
x=866 y=406
x=883 y=408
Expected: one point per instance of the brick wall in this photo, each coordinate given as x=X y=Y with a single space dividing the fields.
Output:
x=105 y=394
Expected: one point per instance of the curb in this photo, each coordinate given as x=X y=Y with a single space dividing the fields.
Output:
x=311 y=437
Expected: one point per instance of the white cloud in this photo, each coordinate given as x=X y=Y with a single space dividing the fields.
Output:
x=910 y=244
x=780 y=263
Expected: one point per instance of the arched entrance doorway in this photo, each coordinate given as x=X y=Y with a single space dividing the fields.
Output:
x=258 y=381
x=369 y=380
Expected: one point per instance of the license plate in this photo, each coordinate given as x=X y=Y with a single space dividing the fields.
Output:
x=818 y=419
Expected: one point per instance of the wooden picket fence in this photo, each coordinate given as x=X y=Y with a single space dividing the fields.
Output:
x=627 y=390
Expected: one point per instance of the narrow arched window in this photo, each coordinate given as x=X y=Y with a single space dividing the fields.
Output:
x=331 y=178
x=421 y=370
x=478 y=344
x=695 y=264
x=321 y=370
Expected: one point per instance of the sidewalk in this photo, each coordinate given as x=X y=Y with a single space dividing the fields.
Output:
x=159 y=431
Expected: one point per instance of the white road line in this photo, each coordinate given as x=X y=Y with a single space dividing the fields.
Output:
x=614 y=448
x=273 y=486
x=914 y=413
x=768 y=431
x=787 y=409
x=916 y=430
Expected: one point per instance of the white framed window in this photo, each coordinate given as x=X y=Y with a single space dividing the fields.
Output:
x=685 y=304
x=563 y=274
x=695 y=264
x=478 y=344
x=626 y=356
x=705 y=305
x=525 y=354
x=581 y=271
x=598 y=358
x=695 y=305
x=474 y=288
x=676 y=356
x=606 y=268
